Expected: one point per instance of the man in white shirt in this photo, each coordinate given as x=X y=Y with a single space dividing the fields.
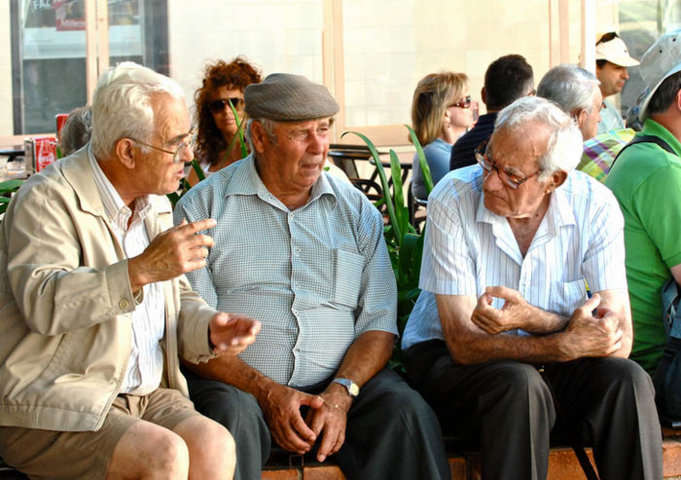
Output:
x=503 y=338
x=612 y=61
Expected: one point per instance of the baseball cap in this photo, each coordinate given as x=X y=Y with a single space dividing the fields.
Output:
x=660 y=61
x=614 y=50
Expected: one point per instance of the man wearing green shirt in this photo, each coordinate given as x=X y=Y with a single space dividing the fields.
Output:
x=646 y=179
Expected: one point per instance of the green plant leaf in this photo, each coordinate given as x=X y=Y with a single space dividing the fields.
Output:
x=423 y=163
x=200 y=174
x=384 y=181
x=239 y=131
x=401 y=210
x=9 y=186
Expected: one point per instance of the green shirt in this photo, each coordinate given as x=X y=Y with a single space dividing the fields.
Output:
x=647 y=183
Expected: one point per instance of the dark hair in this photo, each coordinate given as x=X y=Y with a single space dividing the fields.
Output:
x=601 y=63
x=237 y=74
x=506 y=80
x=606 y=37
x=665 y=94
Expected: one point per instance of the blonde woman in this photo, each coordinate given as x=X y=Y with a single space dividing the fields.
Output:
x=440 y=113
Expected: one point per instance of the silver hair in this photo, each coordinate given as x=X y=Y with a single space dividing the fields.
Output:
x=570 y=86
x=121 y=106
x=564 y=148
x=267 y=124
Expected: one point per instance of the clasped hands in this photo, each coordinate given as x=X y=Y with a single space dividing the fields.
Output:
x=326 y=417
x=592 y=330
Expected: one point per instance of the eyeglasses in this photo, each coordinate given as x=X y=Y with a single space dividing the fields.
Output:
x=219 y=105
x=186 y=146
x=509 y=178
x=465 y=102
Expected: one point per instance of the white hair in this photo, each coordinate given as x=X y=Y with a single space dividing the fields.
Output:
x=564 y=148
x=570 y=86
x=121 y=106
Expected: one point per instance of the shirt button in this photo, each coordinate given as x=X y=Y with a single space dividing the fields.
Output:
x=294 y=311
x=123 y=303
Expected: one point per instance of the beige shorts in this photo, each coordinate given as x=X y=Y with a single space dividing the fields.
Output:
x=43 y=454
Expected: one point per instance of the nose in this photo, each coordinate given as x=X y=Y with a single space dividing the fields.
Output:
x=317 y=143
x=492 y=180
x=625 y=74
x=186 y=153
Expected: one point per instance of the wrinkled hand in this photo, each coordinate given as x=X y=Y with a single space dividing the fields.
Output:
x=331 y=419
x=281 y=406
x=178 y=250
x=232 y=333
x=592 y=336
x=516 y=312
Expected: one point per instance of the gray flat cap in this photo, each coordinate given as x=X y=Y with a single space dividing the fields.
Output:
x=288 y=98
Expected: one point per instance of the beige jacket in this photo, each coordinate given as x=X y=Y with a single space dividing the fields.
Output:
x=66 y=304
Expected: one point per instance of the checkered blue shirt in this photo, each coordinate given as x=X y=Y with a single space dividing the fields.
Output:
x=316 y=277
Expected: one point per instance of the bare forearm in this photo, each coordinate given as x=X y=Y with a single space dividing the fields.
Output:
x=232 y=370
x=543 y=322
x=480 y=348
x=367 y=355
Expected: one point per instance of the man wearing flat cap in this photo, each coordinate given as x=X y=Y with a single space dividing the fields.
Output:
x=612 y=60
x=304 y=253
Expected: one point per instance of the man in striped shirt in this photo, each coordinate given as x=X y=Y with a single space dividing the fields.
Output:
x=503 y=339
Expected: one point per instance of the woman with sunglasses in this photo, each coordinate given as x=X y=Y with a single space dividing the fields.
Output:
x=440 y=113
x=217 y=142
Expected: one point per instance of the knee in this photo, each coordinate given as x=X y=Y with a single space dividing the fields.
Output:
x=628 y=375
x=519 y=381
x=170 y=458
x=221 y=446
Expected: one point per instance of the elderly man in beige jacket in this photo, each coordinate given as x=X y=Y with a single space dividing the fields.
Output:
x=96 y=310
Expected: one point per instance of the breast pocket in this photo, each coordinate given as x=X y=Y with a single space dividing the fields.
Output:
x=567 y=296
x=348 y=268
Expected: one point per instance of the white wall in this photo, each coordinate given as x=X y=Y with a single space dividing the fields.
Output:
x=276 y=35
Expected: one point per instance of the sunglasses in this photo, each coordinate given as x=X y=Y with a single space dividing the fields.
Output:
x=219 y=105
x=465 y=102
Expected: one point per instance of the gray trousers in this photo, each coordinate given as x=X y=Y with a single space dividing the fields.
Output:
x=391 y=431
x=511 y=408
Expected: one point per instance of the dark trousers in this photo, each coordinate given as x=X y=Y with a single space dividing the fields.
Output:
x=512 y=408
x=391 y=431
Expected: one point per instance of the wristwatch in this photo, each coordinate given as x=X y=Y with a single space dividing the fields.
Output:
x=350 y=386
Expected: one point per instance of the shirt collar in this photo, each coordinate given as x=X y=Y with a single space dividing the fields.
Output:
x=114 y=207
x=247 y=181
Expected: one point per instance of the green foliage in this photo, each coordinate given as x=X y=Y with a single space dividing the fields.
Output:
x=174 y=197
x=184 y=184
x=6 y=189
x=405 y=244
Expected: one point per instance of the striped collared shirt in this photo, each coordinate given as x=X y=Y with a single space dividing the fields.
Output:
x=468 y=248
x=145 y=366
x=316 y=277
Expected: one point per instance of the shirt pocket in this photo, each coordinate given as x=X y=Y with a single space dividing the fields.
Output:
x=348 y=268
x=567 y=296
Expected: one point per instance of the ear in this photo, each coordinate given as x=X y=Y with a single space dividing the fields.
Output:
x=678 y=100
x=580 y=116
x=556 y=179
x=258 y=136
x=124 y=149
x=483 y=95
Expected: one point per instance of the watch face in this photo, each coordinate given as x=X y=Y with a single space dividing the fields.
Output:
x=350 y=386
